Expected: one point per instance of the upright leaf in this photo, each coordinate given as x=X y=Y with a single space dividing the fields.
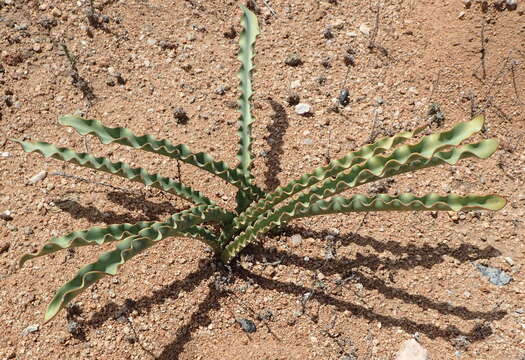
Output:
x=250 y=30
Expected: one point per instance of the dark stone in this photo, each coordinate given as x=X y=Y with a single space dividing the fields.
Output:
x=247 y=325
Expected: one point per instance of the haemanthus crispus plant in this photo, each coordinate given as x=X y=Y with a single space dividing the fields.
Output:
x=257 y=212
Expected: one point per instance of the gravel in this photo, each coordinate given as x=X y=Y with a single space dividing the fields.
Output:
x=496 y=276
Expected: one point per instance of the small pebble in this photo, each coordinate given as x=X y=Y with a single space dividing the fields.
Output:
x=56 y=12
x=27 y=230
x=364 y=29
x=6 y=215
x=412 y=350
x=349 y=60
x=247 y=325
x=38 y=177
x=21 y=27
x=327 y=33
x=30 y=329
x=73 y=327
x=296 y=240
x=293 y=60
x=4 y=247
x=295 y=84
x=221 y=90
x=303 y=109
x=180 y=115
x=512 y=4
x=496 y=276
x=343 y=97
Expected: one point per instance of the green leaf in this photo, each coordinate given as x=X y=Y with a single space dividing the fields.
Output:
x=250 y=30
x=116 y=168
x=402 y=202
x=108 y=263
x=94 y=235
x=98 y=235
x=181 y=152
x=427 y=145
x=319 y=174
x=375 y=168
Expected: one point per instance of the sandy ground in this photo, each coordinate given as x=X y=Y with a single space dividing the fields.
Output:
x=395 y=276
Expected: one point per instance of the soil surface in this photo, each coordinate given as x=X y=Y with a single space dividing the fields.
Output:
x=332 y=287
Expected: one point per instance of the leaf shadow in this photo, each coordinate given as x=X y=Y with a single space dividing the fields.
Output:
x=424 y=256
x=277 y=130
x=134 y=203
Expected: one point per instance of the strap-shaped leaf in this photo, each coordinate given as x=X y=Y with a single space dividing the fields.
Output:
x=371 y=170
x=108 y=263
x=94 y=235
x=402 y=202
x=427 y=145
x=250 y=30
x=116 y=168
x=164 y=147
x=319 y=174
x=100 y=235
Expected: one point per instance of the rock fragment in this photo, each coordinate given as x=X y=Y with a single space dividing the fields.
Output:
x=303 y=109
x=412 y=350
x=247 y=325
x=293 y=60
x=38 y=177
x=496 y=276
x=30 y=329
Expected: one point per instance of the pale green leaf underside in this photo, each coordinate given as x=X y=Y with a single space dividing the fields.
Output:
x=116 y=168
x=101 y=235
